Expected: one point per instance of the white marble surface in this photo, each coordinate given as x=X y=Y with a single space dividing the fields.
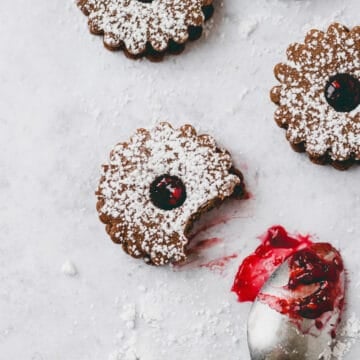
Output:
x=67 y=292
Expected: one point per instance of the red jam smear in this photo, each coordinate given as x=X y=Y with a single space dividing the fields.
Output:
x=277 y=245
x=320 y=265
x=315 y=269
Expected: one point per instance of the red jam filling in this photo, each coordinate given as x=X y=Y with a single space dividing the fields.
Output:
x=167 y=192
x=342 y=92
x=277 y=245
x=314 y=285
x=320 y=265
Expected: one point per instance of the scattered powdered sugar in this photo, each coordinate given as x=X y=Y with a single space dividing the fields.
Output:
x=69 y=269
x=348 y=336
x=37 y=356
x=129 y=315
x=248 y=26
x=125 y=354
x=303 y=108
x=128 y=336
x=214 y=325
x=136 y=23
x=124 y=202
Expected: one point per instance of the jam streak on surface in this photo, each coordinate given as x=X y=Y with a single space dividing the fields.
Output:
x=220 y=263
x=204 y=244
x=277 y=245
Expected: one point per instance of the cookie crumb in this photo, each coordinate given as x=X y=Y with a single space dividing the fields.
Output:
x=69 y=269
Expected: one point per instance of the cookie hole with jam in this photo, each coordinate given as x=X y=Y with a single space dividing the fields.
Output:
x=167 y=192
x=342 y=92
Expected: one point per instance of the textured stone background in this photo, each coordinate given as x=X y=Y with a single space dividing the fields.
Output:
x=67 y=292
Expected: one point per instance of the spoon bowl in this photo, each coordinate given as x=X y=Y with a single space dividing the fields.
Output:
x=276 y=336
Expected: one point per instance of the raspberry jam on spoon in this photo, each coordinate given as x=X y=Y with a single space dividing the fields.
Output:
x=276 y=246
x=299 y=289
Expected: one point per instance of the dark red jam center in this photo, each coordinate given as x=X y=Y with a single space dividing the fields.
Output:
x=311 y=267
x=342 y=92
x=167 y=192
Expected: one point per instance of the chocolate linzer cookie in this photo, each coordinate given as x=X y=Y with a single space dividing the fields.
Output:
x=319 y=96
x=147 y=27
x=157 y=184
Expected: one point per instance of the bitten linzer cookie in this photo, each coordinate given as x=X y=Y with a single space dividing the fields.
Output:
x=157 y=184
x=319 y=96
x=147 y=27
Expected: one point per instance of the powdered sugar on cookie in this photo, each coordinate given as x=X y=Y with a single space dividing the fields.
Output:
x=135 y=23
x=303 y=109
x=124 y=202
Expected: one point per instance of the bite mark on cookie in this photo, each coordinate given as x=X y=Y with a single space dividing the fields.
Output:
x=149 y=229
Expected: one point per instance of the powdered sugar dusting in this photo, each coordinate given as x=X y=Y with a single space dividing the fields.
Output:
x=124 y=201
x=303 y=109
x=135 y=23
x=349 y=335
